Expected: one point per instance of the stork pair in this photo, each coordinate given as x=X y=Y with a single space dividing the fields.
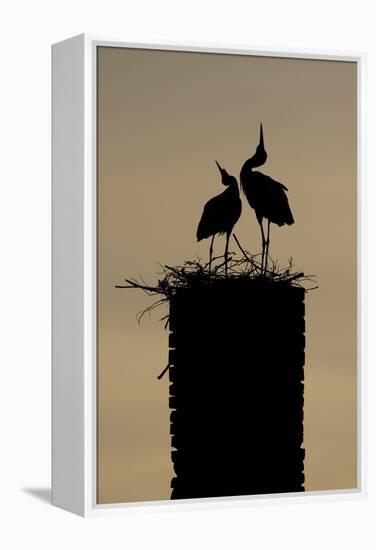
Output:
x=266 y=196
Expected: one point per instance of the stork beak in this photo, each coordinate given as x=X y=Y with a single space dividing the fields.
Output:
x=219 y=167
x=261 y=144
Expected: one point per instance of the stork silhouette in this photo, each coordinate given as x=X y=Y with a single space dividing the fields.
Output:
x=221 y=214
x=266 y=196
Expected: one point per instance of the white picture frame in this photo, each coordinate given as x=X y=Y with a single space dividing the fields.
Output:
x=74 y=276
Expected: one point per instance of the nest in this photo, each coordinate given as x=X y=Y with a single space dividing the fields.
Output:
x=197 y=274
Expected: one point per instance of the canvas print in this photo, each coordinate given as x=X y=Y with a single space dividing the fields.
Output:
x=226 y=275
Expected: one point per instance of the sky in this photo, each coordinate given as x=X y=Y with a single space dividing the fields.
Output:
x=163 y=117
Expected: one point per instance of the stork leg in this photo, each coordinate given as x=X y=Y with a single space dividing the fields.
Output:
x=267 y=247
x=211 y=252
x=226 y=251
x=263 y=244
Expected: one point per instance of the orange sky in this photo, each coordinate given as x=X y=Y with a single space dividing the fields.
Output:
x=163 y=117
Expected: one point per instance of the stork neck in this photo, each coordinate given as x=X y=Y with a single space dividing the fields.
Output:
x=234 y=187
x=258 y=159
x=253 y=162
x=248 y=166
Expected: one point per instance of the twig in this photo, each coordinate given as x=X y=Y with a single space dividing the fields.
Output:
x=163 y=372
x=293 y=277
x=241 y=248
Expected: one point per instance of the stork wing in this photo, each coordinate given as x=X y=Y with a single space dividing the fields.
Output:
x=268 y=198
x=219 y=215
x=211 y=219
x=269 y=181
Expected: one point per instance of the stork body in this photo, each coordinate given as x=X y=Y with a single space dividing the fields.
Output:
x=221 y=214
x=266 y=196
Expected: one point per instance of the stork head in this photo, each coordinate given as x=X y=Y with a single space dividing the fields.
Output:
x=226 y=178
x=259 y=158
